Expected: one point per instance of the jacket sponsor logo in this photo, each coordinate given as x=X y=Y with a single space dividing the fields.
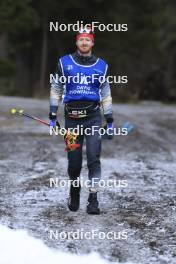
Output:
x=70 y=67
x=84 y=80
x=78 y=112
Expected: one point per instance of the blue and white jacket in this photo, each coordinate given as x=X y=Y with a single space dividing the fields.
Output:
x=77 y=84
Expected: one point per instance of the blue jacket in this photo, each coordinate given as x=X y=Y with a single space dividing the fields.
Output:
x=69 y=65
x=82 y=82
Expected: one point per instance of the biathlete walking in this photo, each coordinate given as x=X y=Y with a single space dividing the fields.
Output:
x=82 y=102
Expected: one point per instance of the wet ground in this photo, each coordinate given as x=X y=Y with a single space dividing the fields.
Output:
x=145 y=209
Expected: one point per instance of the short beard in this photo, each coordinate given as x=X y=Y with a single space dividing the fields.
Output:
x=85 y=52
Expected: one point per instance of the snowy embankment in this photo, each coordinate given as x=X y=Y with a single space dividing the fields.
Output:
x=17 y=247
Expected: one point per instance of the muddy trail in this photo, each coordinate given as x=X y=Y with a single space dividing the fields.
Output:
x=145 y=208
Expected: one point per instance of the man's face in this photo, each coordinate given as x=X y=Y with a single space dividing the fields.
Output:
x=84 y=44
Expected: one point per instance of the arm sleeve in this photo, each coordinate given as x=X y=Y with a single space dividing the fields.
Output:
x=56 y=90
x=106 y=101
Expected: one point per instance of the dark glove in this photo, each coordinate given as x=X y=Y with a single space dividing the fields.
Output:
x=53 y=121
x=109 y=131
x=108 y=127
x=109 y=118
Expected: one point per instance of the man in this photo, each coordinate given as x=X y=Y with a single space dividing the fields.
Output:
x=82 y=107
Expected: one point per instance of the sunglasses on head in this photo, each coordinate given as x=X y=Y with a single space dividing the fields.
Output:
x=87 y=30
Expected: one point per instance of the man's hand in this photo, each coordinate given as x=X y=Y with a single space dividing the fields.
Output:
x=109 y=127
x=53 y=120
x=110 y=130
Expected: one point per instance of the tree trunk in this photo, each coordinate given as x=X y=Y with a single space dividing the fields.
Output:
x=3 y=46
x=43 y=56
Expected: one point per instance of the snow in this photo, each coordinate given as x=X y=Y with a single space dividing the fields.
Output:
x=17 y=247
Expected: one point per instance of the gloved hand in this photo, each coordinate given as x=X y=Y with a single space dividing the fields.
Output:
x=53 y=120
x=109 y=131
x=109 y=127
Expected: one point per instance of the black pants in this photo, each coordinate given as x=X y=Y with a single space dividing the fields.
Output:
x=93 y=148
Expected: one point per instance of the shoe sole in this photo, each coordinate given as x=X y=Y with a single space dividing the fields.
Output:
x=93 y=212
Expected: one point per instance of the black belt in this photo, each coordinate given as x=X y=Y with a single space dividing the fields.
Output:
x=80 y=109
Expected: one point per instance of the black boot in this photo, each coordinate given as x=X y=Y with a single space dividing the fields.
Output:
x=74 y=198
x=92 y=207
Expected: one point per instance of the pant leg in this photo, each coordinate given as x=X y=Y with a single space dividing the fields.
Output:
x=75 y=156
x=93 y=151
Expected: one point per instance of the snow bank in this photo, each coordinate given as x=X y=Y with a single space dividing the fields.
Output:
x=17 y=247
